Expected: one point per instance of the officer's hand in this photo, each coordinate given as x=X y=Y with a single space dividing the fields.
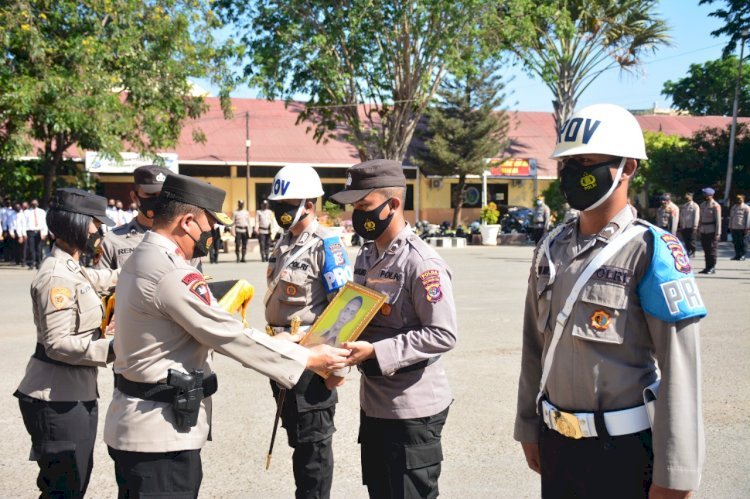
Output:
x=656 y=492
x=327 y=358
x=333 y=381
x=531 y=451
x=110 y=329
x=361 y=351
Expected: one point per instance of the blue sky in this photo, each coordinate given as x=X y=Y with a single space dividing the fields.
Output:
x=692 y=43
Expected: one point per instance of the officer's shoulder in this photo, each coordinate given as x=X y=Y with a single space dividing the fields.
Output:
x=423 y=251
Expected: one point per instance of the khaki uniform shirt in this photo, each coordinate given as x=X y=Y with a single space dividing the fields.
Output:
x=264 y=221
x=119 y=243
x=418 y=323
x=540 y=217
x=606 y=368
x=68 y=316
x=668 y=217
x=241 y=219
x=739 y=217
x=710 y=218
x=690 y=215
x=167 y=319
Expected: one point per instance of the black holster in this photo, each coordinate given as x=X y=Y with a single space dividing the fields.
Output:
x=187 y=397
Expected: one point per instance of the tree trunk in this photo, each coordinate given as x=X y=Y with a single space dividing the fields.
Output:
x=52 y=160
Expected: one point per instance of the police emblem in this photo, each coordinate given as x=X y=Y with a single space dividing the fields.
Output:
x=386 y=309
x=369 y=225
x=197 y=285
x=161 y=177
x=588 y=182
x=348 y=180
x=286 y=218
x=431 y=283
x=60 y=297
x=291 y=290
x=600 y=320
x=681 y=260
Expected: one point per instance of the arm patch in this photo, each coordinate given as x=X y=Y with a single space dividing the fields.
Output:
x=336 y=268
x=668 y=290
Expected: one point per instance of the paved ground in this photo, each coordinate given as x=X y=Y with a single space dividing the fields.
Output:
x=481 y=458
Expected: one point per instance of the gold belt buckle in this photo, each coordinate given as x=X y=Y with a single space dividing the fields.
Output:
x=567 y=424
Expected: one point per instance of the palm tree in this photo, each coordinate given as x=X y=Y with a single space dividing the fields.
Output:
x=569 y=43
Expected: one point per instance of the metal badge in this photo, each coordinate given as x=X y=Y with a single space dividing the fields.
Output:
x=567 y=424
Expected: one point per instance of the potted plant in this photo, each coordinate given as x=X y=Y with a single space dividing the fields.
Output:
x=489 y=228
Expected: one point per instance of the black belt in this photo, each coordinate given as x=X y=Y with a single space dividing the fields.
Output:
x=371 y=367
x=40 y=354
x=160 y=392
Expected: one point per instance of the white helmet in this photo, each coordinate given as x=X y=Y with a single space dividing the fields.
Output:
x=601 y=129
x=296 y=182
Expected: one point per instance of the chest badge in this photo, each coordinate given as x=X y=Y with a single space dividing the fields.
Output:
x=600 y=320
x=291 y=290
x=386 y=309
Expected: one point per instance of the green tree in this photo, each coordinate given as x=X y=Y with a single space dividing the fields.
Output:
x=100 y=73
x=464 y=129
x=736 y=16
x=708 y=89
x=368 y=67
x=569 y=43
x=668 y=166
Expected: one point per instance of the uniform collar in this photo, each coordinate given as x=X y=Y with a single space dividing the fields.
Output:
x=61 y=254
x=304 y=236
x=398 y=242
x=163 y=242
x=615 y=226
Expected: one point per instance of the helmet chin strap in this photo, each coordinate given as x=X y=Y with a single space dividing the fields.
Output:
x=612 y=188
x=298 y=215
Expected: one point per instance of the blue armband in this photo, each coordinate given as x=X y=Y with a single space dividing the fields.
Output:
x=668 y=290
x=336 y=268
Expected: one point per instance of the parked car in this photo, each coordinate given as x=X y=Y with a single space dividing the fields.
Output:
x=514 y=218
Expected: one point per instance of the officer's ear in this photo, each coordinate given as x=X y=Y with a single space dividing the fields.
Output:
x=310 y=205
x=628 y=171
x=396 y=203
x=185 y=221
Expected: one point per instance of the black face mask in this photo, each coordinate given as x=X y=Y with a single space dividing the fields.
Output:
x=203 y=243
x=368 y=225
x=586 y=187
x=93 y=242
x=147 y=206
x=285 y=214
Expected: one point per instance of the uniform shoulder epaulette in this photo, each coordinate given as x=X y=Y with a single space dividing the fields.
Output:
x=668 y=290
x=423 y=249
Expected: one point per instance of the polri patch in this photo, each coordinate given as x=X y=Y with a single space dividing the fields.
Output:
x=291 y=290
x=197 y=285
x=60 y=297
x=431 y=283
x=681 y=260
x=600 y=320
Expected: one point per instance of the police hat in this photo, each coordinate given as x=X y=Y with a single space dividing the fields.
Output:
x=708 y=191
x=197 y=193
x=150 y=178
x=83 y=202
x=363 y=178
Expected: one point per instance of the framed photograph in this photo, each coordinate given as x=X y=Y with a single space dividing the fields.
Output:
x=345 y=317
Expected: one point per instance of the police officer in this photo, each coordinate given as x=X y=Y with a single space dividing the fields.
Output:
x=668 y=214
x=120 y=242
x=540 y=219
x=710 y=229
x=404 y=392
x=264 y=219
x=739 y=224
x=58 y=394
x=689 y=222
x=306 y=269
x=241 y=230
x=611 y=321
x=167 y=329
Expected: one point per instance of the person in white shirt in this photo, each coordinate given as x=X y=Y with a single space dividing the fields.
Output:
x=35 y=224
x=16 y=232
x=121 y=216
x=7 y=207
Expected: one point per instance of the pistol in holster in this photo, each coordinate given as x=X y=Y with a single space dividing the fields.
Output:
x=188 y=395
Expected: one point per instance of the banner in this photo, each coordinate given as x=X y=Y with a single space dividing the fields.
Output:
x=512 y=167
x=99 y=163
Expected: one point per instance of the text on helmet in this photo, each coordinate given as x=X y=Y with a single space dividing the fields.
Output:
x=570 y=129
x=280 y=186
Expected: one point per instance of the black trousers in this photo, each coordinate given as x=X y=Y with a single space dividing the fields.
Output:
x=265 y=246
x=310 y=433
x=240 y=243
x=536 y=234
x=710 y=248
x=33 y=248
x=62 y=443
x=688 y=237
x=213 y=251
x=401 y=457
x=611 y=467
x=738 y=238
x=9 y=246
x=176 y=474
x=20 y=250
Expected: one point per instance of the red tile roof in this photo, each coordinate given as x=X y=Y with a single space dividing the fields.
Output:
x=276 y=139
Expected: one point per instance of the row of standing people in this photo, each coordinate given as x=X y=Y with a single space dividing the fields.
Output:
x=24 y=232
x=168 y=326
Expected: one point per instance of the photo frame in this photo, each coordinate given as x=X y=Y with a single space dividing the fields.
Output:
x=345 y=317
